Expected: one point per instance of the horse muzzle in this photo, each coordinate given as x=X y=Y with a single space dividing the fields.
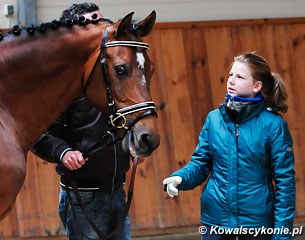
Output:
x=141 y=137
x=141 y=142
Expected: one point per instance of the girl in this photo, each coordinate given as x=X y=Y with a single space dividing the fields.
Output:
x=246 y=150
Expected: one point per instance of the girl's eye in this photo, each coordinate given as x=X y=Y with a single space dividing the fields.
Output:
x=121 y=70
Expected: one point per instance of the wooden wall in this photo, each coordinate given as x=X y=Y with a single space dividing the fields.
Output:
x=191 y=67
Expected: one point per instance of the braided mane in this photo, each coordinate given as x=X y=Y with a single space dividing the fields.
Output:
x=53 y=25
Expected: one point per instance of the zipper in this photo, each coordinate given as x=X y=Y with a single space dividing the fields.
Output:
x=236 y=130
x=235 y=221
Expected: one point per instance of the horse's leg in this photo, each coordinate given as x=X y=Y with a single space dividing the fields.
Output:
x=12 y=172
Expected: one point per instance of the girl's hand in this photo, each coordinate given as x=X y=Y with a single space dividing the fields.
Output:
x=171 y=184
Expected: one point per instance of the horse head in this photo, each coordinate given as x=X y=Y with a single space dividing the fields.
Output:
x=127 y=70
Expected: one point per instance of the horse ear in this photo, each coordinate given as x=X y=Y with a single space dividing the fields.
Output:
x=124 y=24
x=144 y=27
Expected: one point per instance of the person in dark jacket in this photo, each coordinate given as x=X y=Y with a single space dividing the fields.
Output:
x=246 y=150
x=100 y=177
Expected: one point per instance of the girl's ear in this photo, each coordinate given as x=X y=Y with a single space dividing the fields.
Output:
x=257 y=86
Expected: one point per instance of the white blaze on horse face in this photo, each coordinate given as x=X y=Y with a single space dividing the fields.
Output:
x=141 y=61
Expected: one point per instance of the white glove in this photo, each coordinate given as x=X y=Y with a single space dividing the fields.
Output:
x=172 y=184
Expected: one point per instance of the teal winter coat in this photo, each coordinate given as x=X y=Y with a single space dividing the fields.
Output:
x=243 y=160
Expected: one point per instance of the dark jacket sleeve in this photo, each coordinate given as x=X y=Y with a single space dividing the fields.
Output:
x=52 y=143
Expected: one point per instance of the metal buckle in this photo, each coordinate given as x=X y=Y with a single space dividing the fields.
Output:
x=114 y=118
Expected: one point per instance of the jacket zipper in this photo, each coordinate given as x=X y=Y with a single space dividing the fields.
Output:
x=236 y=131
x=236 y=142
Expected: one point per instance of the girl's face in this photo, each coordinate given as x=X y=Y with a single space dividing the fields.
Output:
x=240 y=81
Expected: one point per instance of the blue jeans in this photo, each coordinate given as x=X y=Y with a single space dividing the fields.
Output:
x=100 y=207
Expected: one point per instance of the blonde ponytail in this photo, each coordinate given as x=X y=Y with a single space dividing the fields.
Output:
x=280 y=94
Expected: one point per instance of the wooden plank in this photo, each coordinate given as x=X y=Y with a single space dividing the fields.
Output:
x=48 y=185
x=28 y=204
x=219 y=57
x=198 y=77
x=295 y=81
x=284 y=65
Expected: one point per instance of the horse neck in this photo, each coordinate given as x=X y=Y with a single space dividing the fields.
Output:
x=42 y=77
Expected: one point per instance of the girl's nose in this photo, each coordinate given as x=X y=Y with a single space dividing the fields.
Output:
x=231 y=80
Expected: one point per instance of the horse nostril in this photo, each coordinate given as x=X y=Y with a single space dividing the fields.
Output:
x=147 y=142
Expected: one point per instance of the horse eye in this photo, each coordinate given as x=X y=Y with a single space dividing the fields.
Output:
x=121 y=70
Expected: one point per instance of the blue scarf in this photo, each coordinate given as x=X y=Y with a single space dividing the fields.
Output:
x=237 y=102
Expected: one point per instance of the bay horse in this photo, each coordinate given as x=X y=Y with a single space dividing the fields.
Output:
x=45 y=68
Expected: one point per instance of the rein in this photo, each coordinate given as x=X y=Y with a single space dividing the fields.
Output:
x=117 y=120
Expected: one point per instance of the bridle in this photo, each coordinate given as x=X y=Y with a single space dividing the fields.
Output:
x=117 y=120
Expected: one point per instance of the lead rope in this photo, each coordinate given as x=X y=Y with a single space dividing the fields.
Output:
x=80 y=203
x=124 y=214
x=121 y=219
